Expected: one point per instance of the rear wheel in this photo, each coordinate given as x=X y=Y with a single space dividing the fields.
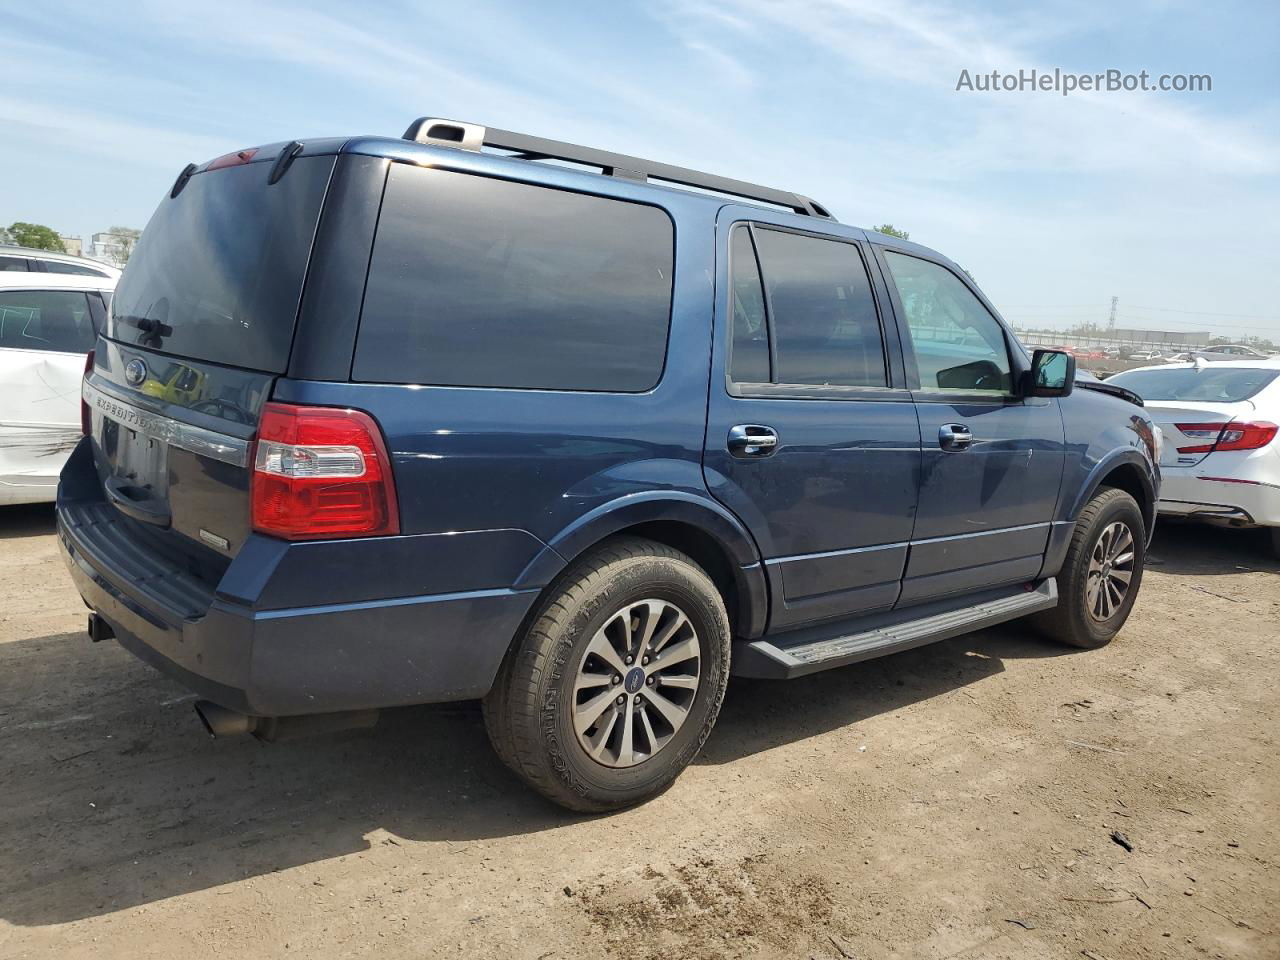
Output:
x=1101 y=575
x=1275 y=540
x=618 y=680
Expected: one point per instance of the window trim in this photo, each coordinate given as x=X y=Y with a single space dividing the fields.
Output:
x=776 y=390
x=923 y=394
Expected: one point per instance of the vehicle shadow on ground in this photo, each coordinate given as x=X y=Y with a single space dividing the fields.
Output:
x=26 y=520
x=114 y=797
x=1200 y=549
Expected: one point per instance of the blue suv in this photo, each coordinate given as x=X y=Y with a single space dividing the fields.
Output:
x=476 y=414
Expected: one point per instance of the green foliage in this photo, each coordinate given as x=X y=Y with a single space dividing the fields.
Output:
x=36 y=236
x=891 y=230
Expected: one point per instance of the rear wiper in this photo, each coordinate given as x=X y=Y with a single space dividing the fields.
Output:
x=153 y=331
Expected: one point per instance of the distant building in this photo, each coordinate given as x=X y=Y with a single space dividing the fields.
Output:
x=1174 y=337
x=73 y=245
x=102 y=246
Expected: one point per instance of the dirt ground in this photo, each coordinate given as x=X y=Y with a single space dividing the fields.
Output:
x=954 y=801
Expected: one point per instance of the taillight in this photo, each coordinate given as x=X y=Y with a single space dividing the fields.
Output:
x=1236 y=435
x=321 y=472
x=86 y=415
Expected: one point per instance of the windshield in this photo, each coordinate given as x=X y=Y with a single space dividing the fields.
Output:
x=218 y=272
x=1196 y=383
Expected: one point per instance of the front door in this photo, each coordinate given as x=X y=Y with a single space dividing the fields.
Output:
x=812 y=438
x=992 y=462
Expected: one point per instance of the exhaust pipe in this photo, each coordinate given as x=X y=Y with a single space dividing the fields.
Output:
x=221 y=722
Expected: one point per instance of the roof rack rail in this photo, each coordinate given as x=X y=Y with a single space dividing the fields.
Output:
x=471 y=136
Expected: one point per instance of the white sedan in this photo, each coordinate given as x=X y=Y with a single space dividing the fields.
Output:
x=1221 y=458
x=48 y=324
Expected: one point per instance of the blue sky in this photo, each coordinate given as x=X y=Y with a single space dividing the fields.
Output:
x=1170 y=201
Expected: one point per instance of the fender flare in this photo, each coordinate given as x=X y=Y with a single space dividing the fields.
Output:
x=1103 y=467
x=677 y=506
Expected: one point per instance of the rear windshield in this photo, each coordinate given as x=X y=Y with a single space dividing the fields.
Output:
x=1196 y=383
x=219 y=270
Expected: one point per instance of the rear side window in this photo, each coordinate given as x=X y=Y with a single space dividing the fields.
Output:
x=18 y=264
x=53 y=320
x=218 y=272
x=486 y=283
x=820 y=312
x=79 y=270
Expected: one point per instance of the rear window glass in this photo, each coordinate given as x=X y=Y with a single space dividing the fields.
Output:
x=53 y=320
x=218 y=272
x=1191 y=383
x=487 y=283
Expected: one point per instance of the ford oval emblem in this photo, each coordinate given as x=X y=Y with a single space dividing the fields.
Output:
x=135 y=371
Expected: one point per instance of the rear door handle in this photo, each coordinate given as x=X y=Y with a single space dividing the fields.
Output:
x=752 y=440
x=954 y=436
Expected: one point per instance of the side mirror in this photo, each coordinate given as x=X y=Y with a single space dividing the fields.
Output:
x=1052 y=374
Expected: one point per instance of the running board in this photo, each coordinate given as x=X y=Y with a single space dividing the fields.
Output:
x=801 y=652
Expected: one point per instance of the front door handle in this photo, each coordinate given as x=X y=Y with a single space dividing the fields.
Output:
x=752 y=440
x=954 y=436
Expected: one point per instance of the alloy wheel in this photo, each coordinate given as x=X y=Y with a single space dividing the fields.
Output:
x=636 y=683
x=1110 y=571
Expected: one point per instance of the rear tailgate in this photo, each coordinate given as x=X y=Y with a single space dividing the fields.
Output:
x=200 y=326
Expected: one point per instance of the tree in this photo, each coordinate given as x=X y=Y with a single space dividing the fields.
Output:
x=121 y=243
x=892 y=231
x=36 y=236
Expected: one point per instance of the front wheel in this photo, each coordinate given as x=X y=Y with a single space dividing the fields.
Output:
x=1101 y=575
x=617 y=681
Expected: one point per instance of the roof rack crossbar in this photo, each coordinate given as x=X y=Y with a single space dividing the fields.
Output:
x=469 y=136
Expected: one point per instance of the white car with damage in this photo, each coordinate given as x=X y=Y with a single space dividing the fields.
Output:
x=48 y=325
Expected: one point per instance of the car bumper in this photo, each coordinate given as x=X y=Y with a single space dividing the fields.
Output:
x=291 y=660
x=1195 y=497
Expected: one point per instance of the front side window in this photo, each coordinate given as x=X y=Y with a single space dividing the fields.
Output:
x=480 y=282
x=53 y=320
x=958 y=344
x=820 y=312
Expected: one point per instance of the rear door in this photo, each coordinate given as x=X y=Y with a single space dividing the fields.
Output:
x=200 y=326
x=44 y=336
x=812 y=439
x=992 y=462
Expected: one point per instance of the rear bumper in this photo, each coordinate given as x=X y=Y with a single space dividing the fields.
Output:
x=261 y=657
x=1193 y=497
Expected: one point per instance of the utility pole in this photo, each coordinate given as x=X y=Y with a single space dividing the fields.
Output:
x=1111 y=321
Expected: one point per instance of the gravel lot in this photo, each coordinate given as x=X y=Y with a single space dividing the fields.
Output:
x=954 y=801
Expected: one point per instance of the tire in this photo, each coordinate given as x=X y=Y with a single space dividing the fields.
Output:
x=1275 y=541
x=1081 y=618
x=561 y=669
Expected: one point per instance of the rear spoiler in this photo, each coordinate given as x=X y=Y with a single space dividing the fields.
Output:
x=1103 y=387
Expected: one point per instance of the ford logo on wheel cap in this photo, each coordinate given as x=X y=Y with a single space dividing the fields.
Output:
x=135 y=371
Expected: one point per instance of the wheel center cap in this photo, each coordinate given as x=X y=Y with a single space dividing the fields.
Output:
x=634 y=680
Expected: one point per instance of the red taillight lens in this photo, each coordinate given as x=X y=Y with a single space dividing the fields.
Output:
x=321 y=472
x=1236 y=435
x=86 y=415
